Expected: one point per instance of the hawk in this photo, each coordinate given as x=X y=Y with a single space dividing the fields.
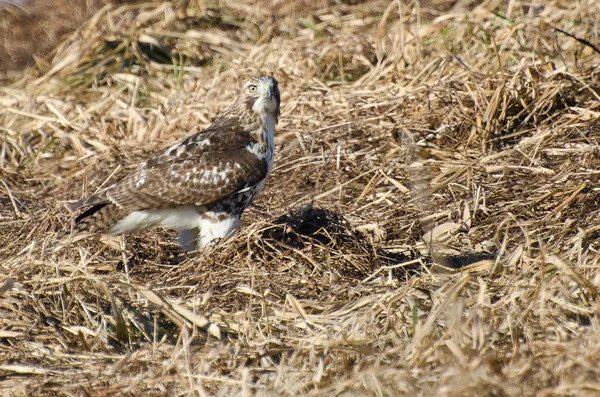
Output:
x=201 y=185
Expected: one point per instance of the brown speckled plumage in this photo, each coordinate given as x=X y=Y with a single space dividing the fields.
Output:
x=215 y=171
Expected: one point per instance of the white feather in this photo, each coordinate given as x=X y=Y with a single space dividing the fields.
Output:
x=197 y=230
x=210 y=230
x=142 y=179
x=179 y=218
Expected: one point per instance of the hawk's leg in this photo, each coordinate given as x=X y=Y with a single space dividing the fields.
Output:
x=187 y=239
x=213 y=228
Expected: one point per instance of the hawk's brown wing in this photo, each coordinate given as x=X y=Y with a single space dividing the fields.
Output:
x=199 y=170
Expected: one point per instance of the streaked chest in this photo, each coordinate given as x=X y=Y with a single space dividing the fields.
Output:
x=264 y=149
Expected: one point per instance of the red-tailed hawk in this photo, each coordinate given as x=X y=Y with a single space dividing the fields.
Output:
x=202 y=184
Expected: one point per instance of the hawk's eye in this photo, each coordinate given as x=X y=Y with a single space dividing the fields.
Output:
x=252 y=88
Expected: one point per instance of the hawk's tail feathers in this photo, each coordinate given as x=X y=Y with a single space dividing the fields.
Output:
x=93 y=201
x=99 y=218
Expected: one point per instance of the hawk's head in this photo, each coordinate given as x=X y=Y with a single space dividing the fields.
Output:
x=260 y=94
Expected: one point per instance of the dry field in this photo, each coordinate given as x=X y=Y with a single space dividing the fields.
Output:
x=430 y=228
x=30 y=29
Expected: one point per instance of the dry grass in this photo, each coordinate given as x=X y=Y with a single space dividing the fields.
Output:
x=30 y=29
x=430 y=227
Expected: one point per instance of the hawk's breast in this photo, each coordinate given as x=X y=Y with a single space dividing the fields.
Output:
x=264 y=150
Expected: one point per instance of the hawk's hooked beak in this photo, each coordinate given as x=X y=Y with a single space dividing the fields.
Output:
x=269 y=94
x=268 y=97
x=267 y=90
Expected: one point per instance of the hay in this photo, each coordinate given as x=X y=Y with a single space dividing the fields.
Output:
x=430 y=225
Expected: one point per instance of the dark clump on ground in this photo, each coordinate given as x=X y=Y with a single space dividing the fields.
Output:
x=319 y=224
x=311 y=225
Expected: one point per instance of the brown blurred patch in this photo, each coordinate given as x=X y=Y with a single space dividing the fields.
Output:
x=30 y=31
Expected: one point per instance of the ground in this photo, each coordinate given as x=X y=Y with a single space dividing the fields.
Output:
x=430 y=227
